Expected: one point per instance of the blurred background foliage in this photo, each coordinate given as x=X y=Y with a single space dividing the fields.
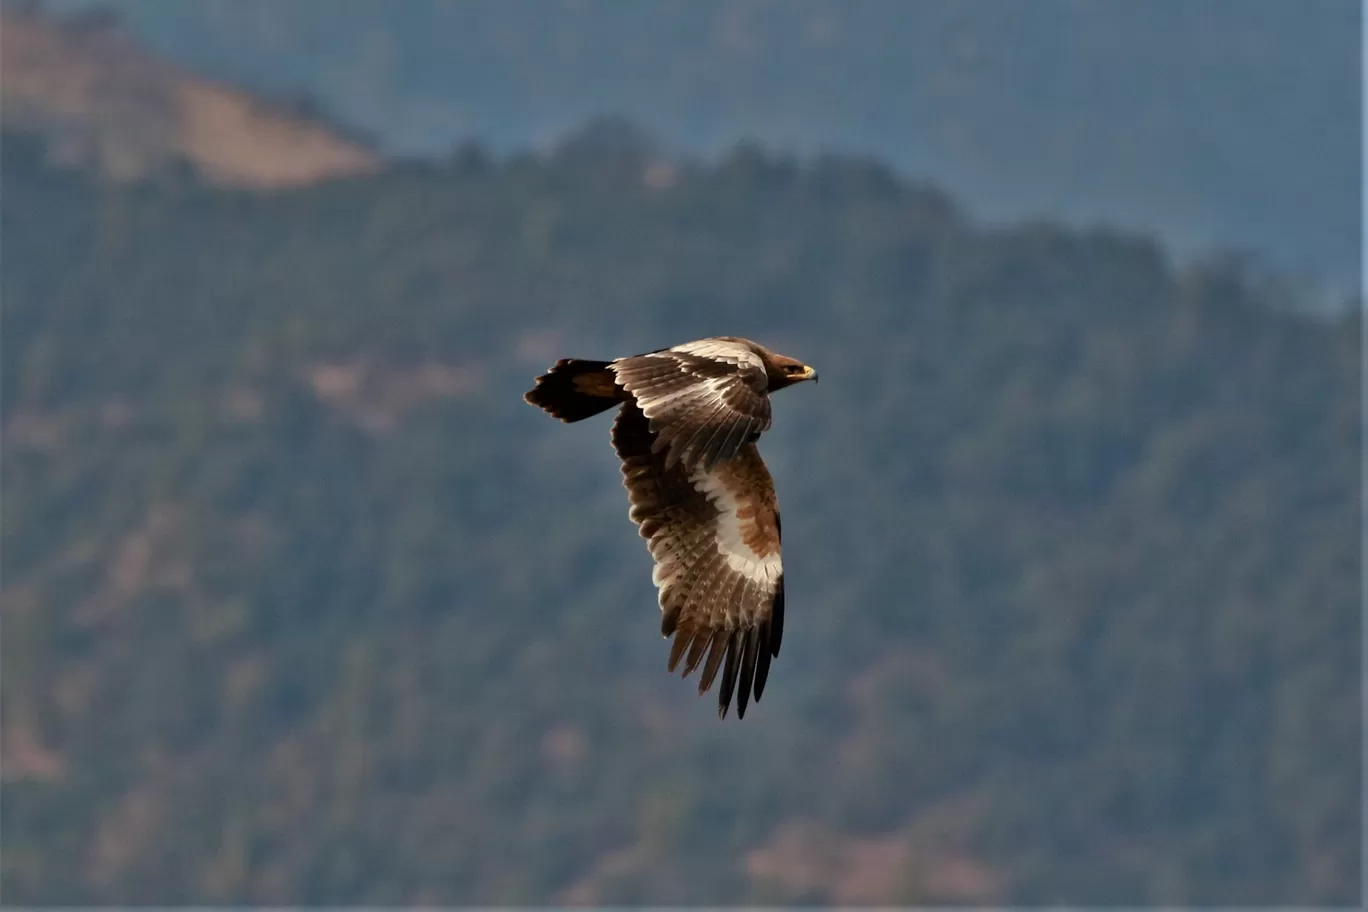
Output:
x=303 y=604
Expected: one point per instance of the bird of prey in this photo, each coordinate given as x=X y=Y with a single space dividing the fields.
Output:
x=699 y=493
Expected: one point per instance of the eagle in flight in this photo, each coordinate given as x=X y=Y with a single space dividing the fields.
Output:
x=699 y=493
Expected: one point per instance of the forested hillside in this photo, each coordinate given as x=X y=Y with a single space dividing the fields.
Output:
x=303 y=604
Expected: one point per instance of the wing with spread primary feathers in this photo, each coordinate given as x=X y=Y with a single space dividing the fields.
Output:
x=715 y=536
x=705 y=400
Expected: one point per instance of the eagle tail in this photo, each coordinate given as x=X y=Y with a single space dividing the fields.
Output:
x=576 y=389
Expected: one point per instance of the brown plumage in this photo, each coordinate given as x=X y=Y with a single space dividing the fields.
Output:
x=699 y=493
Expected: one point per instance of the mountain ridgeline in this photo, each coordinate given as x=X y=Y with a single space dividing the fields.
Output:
x=303 y=604
x=1213 y=122
x=103 y=102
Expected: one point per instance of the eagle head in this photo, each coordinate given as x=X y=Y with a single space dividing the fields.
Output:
x=784 y=371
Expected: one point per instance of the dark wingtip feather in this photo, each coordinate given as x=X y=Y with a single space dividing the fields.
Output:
x=762 y=665
x=724 y=693
x=697 y=645
x=715 y=654
x=747 y=679
x=669 y=620
x=777 y=617
x=681 y=640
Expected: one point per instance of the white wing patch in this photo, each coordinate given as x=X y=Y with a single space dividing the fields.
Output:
x=730 y=541
x=652 y=406
x=705 y=399
x=722 y=350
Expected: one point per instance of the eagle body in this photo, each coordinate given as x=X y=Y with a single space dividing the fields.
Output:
x=686 y=430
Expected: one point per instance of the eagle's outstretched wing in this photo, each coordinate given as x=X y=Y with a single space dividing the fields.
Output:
x=714 y=533
x=700 y=494
x=705 y=400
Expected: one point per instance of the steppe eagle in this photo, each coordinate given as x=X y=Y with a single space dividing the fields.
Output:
x=699 y=493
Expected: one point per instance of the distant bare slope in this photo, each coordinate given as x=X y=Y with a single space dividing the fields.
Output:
x=103 y=100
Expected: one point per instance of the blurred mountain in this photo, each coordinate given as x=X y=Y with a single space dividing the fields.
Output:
x=1213 y=122
x=302 y=604
x=102 y=100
